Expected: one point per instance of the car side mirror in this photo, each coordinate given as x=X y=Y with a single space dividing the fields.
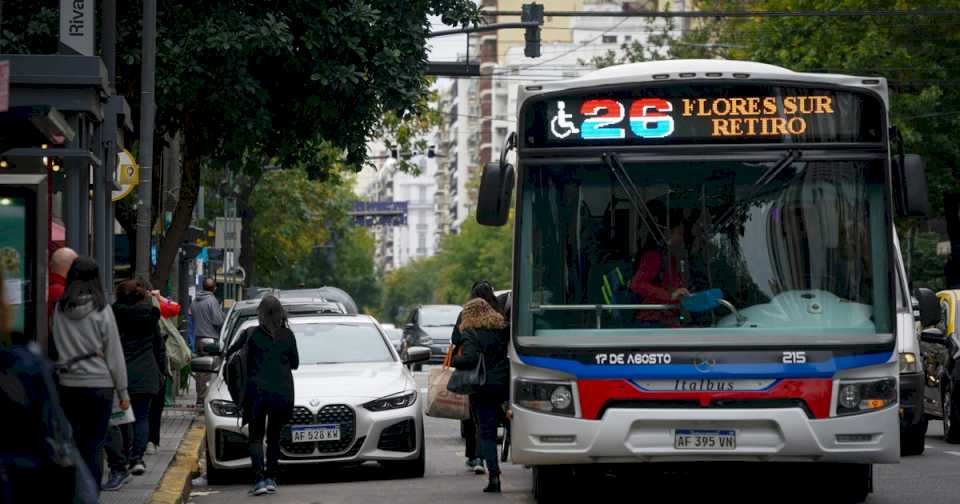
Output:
x=933 y=335
x=929 y=307
x=205 y=364
x=208 y=346
x=416 y=354
x=493 y=199
x=914 y=195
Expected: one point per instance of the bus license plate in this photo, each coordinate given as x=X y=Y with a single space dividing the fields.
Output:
x=696 y=439
x=314 y=433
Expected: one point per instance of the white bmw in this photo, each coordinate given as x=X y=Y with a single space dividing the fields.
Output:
x=355 y=401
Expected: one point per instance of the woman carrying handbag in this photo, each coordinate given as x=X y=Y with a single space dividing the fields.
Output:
x=485 y=371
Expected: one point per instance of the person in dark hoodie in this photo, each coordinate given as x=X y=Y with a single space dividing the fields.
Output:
x=90 y=360
x=145 y=355
x=482 y=331
x=271 y=354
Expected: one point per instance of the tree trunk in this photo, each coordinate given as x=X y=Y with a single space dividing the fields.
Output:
x=183 y=213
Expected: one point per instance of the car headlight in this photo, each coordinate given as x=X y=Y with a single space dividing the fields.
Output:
x=908 y=363
x=547 y=397
x=866 y=395
x=224 y=408
x=396 y=401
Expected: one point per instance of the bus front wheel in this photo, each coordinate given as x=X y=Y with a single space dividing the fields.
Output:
x=552 y=483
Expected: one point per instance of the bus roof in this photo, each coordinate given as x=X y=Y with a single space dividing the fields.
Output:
x=685 y=70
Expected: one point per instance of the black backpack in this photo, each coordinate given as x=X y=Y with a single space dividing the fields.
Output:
x=235 y=373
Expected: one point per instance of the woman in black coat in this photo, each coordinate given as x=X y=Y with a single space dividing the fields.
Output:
x=482 y=329
x=268 y=400
x=145 y=355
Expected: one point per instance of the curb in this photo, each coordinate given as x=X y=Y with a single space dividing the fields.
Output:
x=177 y=481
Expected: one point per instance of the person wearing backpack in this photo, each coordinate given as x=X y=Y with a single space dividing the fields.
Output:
x=267 y=402
x=90 y=360
x=484 y=338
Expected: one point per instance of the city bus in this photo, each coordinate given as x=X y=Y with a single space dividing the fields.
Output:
x=705 y=268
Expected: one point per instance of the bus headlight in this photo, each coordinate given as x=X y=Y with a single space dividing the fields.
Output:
x=866 y=395
x=548 y=397
x=908 y=363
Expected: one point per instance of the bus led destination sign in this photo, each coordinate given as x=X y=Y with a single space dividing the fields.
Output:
x=685 y=114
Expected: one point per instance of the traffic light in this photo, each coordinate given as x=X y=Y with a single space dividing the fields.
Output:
x=532 y=13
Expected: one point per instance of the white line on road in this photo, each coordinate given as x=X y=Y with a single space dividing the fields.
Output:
x=954 y=453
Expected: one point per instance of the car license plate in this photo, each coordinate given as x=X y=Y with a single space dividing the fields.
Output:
x=697 y=439
x=314 y=433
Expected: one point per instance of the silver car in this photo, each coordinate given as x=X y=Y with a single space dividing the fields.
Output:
x=355 y=401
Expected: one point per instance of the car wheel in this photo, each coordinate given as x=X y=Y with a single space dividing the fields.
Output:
x=913 y=439
x=214 y=476
x=951 y=422
x=552 y=484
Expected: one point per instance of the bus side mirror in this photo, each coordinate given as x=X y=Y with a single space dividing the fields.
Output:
x=496 y=188
x=929 y=307
x=915 y=198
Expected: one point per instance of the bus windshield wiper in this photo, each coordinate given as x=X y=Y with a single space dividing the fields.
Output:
x=612 y=161
x=765 y=178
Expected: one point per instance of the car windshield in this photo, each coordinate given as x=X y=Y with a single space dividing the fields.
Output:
x=784 y=245
x=439 y=316
x=334 y=343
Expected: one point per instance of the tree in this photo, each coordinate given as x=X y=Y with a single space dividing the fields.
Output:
x=477 y=253
x=406 y=287
x=245 y=82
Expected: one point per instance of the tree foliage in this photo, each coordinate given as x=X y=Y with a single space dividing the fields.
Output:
x=245 y=82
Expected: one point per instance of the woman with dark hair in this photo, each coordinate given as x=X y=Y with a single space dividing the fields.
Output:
x=91 y=363
x=145 y=355
x=271 y=354
x=481 y=289
x=483 y=337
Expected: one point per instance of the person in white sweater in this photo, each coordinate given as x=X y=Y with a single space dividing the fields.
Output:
x=89 y=359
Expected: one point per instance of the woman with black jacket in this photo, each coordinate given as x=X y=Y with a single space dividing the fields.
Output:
x=146 y=355
x=482 y=329
x=271 y=357
x=483 y=290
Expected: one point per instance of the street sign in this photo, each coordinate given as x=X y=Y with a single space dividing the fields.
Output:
x=4 y=85
x=77 y=26
x=228 y=233
x=379 y=213
x=128 y=174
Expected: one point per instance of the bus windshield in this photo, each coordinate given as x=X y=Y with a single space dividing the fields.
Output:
x=786 y=246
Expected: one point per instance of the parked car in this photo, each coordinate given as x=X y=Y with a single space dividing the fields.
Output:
x=327 y=292
x=351 y=383
x=431 y=326
x=940 y=344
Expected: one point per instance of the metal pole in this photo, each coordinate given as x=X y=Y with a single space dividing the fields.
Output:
x=147 y=71
x=104 y=173
x=109 y=21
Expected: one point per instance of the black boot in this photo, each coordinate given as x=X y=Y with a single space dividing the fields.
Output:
x=493 y=485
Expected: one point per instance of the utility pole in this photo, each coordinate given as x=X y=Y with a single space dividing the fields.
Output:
x=147 y=112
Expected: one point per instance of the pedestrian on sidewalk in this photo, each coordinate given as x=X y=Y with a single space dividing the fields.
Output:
x=38 y=458
x=138 y=324
x=207 y=320
x=169 y=311
x=483 y=335
x=91 y=363
x=271 y=355
x=481 y=289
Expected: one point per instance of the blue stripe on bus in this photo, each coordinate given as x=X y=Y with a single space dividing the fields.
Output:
x=824 y=369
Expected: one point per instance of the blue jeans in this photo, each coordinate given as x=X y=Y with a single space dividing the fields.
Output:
x=140 y=428
x=489 y=408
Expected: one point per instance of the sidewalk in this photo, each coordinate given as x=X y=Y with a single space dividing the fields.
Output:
x=175 y=424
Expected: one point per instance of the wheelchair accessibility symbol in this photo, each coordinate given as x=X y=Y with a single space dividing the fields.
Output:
x=561 y=125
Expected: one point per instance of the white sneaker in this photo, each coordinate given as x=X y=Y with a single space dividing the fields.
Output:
x=151 y=449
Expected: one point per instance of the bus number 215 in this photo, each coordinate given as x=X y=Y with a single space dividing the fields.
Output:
x=794 y=357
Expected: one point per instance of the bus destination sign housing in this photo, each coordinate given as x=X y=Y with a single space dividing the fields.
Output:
x=704 y=113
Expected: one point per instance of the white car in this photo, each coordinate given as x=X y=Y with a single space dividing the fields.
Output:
x=355 y=401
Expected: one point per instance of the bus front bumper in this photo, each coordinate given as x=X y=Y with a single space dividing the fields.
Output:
x=762 y=435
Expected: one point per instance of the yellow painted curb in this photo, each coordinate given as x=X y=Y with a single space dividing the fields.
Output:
x=175 y=486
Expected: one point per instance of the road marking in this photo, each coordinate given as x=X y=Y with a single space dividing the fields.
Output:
x=954 y=453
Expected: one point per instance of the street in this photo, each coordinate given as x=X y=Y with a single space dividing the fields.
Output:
x=932 y=475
